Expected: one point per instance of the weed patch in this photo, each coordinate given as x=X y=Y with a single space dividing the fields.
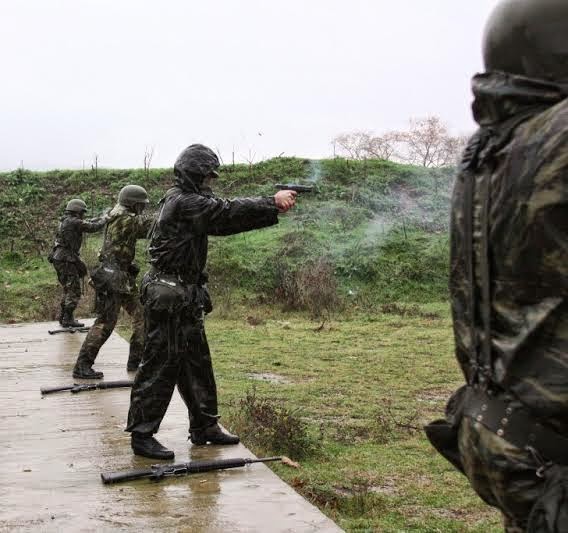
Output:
x=273 y=427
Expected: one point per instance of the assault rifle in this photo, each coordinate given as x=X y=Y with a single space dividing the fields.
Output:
x=82 y=329
x=294 y=187
x=158 y=472
x=80 y=387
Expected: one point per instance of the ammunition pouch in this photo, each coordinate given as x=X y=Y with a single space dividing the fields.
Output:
x=163 y=293
x=110 y=278
x=166 y=293
x=443 y=434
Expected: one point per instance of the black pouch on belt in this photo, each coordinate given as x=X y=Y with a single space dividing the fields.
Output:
x=443 y=434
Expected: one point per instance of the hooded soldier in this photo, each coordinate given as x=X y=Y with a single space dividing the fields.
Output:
x=114 y=281
x=175 y=297
x=66 y=259
x=507 y=429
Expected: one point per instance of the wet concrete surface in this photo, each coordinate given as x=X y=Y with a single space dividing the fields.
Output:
x=53 y=449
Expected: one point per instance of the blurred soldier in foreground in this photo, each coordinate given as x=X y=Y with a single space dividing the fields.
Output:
x=115 y=281
x=66 y=259
x=507 y=429
x=175 y=298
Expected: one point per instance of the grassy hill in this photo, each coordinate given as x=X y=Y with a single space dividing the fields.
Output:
x=375 y=232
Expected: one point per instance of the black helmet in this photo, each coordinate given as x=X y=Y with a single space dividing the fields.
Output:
x=76 y=206
x=131 y=195
x=194 y=163
x=529 y=38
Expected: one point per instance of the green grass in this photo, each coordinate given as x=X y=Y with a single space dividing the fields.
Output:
x=356 y=382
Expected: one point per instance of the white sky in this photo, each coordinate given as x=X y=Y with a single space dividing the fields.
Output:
x=112 y=77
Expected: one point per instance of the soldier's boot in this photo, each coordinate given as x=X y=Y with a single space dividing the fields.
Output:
x=69 y=321
x=134 y=358
x=147 y=446
x=86 y=372
x=214 y=434
x=84 y=367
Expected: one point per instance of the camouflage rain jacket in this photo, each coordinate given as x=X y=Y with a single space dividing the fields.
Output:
x=188 y=215
x=69 y=237
x=123 y=229
x=509 y=252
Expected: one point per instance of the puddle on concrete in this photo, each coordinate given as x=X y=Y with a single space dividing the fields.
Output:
x=269 y=377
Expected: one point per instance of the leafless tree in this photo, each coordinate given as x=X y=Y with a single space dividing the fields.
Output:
x=385 y=146
x=354 y=145
x=148 y=154
x=428 y=143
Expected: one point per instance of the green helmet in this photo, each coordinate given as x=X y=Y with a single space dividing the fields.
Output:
x=131 y=195
x=529 y=38
x=76 y=206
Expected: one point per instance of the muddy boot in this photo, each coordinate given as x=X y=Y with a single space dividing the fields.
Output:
x=69 y=322
x=214 y=434
x=147 y=446
x=82 y=371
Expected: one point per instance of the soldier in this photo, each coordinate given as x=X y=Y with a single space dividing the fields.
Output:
x=507 y=429
x=115 y=281
x=66 y=259
x=175 y=298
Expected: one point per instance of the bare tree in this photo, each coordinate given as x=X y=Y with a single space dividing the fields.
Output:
x=250 y=160
x=148 y=154
x=428 y=143
x=354 y=145
x=385 y=146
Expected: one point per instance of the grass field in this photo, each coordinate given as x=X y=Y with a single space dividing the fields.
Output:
x=349 y=400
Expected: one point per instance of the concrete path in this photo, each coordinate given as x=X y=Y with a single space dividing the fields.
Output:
x=53 y=449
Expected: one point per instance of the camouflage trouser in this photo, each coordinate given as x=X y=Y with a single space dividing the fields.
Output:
x=502 y=474
x=70 y=279
x=108 y=308
x=175 y=352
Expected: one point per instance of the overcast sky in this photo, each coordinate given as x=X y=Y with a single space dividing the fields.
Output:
x=113 y=77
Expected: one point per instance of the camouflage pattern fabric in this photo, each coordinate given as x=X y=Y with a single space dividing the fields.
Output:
x=66 y=259
x=119 y=248
x=509 y=279
x=503 y=475
x=107 y=317
x=69 y=237
x=123 y=230
x=69 y=278
x=176 y=351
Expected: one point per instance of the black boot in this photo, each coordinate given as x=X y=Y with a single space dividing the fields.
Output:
x=84 y=371
x=148 y=446
x=214 y=434
x=69 y=322
x=133 y=363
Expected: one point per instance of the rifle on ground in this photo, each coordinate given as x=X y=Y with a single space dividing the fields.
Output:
x=80 y=387
x=294 y=187
x=158 y=472
x=83 y=329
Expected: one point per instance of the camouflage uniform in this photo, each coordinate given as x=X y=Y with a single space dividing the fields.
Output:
x=66 y=259
x=115 y=285
x=176 y=299
x=509 y=288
